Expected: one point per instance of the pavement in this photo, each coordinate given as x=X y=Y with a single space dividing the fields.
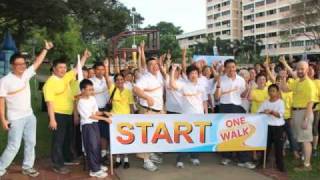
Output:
x=210 y=169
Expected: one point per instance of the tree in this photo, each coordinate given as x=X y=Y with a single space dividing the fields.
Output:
x=304 y=15
x=168 y=41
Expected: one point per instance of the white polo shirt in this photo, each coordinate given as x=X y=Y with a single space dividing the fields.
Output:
x=193 y=97
x=153 y=86
x=277 y=106
x=174 y=97
x=205 y=83
x=17 y=94
x=101 y=91
x=86 y=108
x=237 y=86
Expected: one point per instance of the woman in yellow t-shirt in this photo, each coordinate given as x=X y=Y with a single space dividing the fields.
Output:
x=259 y=94
x=315 y=131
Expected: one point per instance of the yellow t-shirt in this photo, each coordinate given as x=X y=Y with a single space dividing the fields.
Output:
x=258 y=97
x=58 y=91
x=317 y=84
x=121 y=100
x=75 y=88
x=303 y=92
x=287 y=99
x=268 y=83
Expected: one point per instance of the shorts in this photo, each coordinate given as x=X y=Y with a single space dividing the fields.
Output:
x=301 y=135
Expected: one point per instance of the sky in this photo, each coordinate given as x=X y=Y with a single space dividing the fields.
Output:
x=189 y=14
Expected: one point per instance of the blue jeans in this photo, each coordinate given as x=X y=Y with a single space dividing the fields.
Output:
x=21 y=128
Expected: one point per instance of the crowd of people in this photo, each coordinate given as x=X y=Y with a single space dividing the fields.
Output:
x=288 y=92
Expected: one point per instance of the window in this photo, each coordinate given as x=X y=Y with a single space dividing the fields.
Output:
x=270 y=1
x=273 y=34
x=262 y=25
x=225 y=23
x=284 y=21
x=271 y=23
x=297 y=43
x=284 y=33
x=284 y=45
x=261 y=36
x=247 y=7
x=261 y=14
x=217 y=24
x=218 y=33
x=272 y=46
x=216 y=16
x=210 y=17
x=310 y=43
x=249 y=38
x=210 y=26
x=248 y=17
x=226 y=32
x=260 y=3
x=271 y=12
x=298 y=31
x=248 y=27
x=226 y=3
x=284 y=9
x=217 y=6
x=224 y=13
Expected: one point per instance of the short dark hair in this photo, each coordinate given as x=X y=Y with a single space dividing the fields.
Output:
x=274 y=86
x=97 y=64
x=192 y=68
x=116 y=76
x=84 y=68
x=85 y=83
x=170 y=68
x=16 y=56
x=58 y=61
x=261 y=75
x=229 y=61
x=151 y=59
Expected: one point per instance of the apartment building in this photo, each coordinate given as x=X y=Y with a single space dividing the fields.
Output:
x=190 y=39
x=266 y=20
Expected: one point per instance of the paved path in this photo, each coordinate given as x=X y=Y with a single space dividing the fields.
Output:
x=208 y=170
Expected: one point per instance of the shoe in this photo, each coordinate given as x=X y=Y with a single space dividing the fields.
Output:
x=314 y=153
x=180 y=165
x=30 y=172
x=155 y=158
x=195 y=162
x=98 y=174
x=61 y=170
x=149 y=166
x=126 y=165
x=303 y=168
x=2 y=173
x=248 y=165
x=104 y=168
x=117 y=164
x=72 y=163
x=226 y=162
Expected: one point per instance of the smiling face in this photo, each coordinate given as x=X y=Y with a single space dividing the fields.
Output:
x=60 y=69
x=153 y=66
x=99 y=71
x=19 y=65
x=88 y=91
x=302 y=69
x=231 y=70
x=119 y=81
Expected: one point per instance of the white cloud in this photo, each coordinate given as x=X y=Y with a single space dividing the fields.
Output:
x=189 y=14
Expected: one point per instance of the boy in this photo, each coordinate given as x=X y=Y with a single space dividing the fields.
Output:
x=89 y=117
x=275 y=108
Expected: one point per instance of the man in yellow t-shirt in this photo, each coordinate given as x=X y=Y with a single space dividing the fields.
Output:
x=59 y=97
x=304 y=96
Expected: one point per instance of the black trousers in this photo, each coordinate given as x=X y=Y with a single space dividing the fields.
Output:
x=242 y=156
x=92 y=145
x=62 y=140
x=275 y=137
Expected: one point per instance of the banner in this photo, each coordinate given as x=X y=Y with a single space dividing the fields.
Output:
x=211 y=59
x=188 y=133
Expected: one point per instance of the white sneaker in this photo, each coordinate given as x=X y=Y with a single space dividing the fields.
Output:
x=149 y=166
x=226 y=162
x=98 y=174
x=180 y=165
x=248 y=165
x=104 y=168
x=195 y=162
x=155 y=158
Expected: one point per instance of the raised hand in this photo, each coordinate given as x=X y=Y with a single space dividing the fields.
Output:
x=106 y=62
x=282 y=59
x=48 y=45
x=142 y=44
x=169 y=55
x=86 y=54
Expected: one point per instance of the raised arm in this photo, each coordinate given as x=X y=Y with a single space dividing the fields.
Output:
x=139 y=59
x=116 y=65
x=143 y=56
x=107 y=75
x=86 y=55
x=39 y=59
x=172 y=80
x=286 y=65
x=269 y=73
x=184 y=60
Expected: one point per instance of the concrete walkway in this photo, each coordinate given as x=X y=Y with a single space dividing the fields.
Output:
x=208 y=170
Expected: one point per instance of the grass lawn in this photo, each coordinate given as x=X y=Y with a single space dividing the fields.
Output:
x=44 y=141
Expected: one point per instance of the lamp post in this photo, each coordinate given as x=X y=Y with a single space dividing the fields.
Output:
x=133 y=12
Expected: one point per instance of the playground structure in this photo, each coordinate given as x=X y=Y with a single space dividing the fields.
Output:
x=152 y=44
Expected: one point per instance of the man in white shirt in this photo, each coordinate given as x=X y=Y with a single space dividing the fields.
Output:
x=102 y=97
x=149 y=88
x=21 y=123
x=229 y=89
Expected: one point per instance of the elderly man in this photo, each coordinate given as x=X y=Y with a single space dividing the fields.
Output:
x=20 y=121
x=304 y=96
